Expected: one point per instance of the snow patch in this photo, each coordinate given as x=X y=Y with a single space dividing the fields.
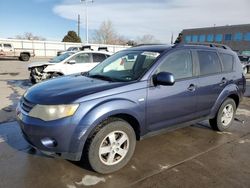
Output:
x=133 y=167
x=2 y=138
x=244 y=141
x=90 y=180
x=71 y=186
x=228 y=133
x=175 y=170
x=243 y=112
x=163 y=167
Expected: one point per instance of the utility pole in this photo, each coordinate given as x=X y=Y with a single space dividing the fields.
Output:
x=87 y=18
x=78 y=24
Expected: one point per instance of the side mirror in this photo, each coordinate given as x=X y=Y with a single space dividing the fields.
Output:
x=164 y=78
x=72 y=62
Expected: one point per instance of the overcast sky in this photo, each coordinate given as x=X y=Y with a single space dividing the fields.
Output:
x=131 y=18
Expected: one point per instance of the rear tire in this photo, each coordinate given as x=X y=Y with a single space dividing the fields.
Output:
x=24 y=57
x=225 y=116
x=112 y=146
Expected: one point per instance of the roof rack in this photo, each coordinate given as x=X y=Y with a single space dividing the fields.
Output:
x=103 y=48
x=86 y=47
x=138 y=45
x=212 y=45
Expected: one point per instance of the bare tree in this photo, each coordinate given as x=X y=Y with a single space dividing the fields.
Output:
x=106 y=34
x=146 y=39
x=29 y=36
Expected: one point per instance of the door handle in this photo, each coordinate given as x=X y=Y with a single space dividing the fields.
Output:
x=223 y=82
x=191 y=87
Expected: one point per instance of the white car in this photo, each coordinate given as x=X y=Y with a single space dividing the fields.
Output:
x=65 y=64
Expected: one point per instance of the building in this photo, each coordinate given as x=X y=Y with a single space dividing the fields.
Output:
x=235 y=36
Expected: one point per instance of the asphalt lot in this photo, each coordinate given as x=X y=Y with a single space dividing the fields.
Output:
x=194 y=156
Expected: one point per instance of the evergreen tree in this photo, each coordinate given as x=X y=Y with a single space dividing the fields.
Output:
x=71 y=37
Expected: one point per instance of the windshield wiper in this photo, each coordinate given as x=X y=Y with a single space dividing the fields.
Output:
x=101 y=77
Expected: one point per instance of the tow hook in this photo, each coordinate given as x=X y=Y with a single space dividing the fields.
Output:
x=239 y=120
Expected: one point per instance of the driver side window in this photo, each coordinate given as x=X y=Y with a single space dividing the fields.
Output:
x=82 y=58
x=179 y=64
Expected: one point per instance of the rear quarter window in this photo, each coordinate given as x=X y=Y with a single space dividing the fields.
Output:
x=228 y=62
x=209 y=63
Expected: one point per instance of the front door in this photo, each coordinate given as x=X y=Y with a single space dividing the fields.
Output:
x=169 y=105
x=8 y=50
x=83 y=63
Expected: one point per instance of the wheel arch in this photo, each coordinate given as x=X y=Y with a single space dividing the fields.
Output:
x=26 y=53
x=231 y=91
x=235 y=98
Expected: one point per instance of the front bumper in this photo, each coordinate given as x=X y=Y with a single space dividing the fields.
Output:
x=63 y=131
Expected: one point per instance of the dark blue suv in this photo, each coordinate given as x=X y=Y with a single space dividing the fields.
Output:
x=132 y=94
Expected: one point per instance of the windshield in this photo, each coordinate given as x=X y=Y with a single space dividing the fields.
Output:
x=60 y=58
x=124 y=66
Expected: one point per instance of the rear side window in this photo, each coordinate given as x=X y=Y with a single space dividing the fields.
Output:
x=179 y=63
x=98 y=57
x=228 y=62
x=209 y=62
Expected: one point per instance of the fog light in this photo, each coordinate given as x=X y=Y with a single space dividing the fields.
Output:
x=48 y=142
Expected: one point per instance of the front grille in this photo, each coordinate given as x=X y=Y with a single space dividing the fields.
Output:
x=26 y=105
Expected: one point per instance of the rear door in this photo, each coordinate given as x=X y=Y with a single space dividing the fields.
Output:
x=211 y=80
x=97 y=58
x=170 y=105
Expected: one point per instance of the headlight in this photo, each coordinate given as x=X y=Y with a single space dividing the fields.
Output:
x=53 y=112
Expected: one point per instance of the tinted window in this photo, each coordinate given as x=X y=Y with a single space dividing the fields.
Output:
x=218 y=37
x=209 y=62
x=238 y=37
x=83 y=58
x=188 y=39
x=202 y=38
x=6 y=45
x=227 y=61
x=179 y=64
x=210 y=38
x=195 y=38
x=228 y=37
x=99 y=58
x=247 y=37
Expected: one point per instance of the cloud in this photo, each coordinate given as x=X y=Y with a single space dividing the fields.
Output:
x=160 y=18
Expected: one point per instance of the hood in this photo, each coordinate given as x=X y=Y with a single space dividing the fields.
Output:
x=67 y=89
x=54 y=68
x=38 y=64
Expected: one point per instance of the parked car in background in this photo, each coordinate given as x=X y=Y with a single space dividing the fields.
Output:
x=68 y=63
x=70 y=49
x=245 y=60
x=36 y=68
x=7 y=50
x=131 y=95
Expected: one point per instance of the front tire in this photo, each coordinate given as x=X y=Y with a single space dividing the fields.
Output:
x=225 y=116
x=112 y=146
